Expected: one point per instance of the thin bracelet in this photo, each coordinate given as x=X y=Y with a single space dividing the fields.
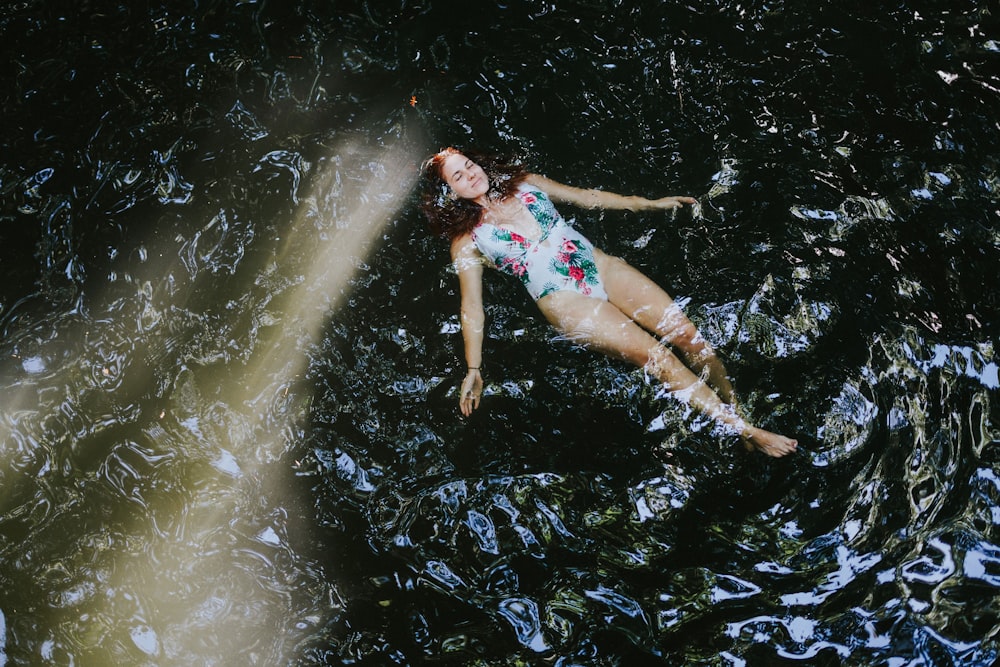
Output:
x=473 y=368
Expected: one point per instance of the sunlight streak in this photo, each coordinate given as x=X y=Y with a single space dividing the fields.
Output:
x=205 y=588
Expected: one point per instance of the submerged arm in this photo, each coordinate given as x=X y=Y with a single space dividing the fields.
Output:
x=468 y=263
x=586 y=198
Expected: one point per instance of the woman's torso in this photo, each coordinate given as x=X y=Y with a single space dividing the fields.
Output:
x=552 y=257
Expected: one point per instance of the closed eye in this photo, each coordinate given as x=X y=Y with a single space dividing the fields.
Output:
x=457 y=176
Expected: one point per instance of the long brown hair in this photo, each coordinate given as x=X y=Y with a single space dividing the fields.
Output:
x=451 y=216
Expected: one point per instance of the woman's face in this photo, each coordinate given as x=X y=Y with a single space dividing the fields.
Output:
x=466 y=178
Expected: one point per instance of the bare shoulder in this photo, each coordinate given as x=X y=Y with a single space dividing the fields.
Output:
x=466 y=258
x=463 y=246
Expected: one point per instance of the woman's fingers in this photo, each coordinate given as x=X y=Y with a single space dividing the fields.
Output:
x=472 y=390
x=468 y=404
x=673 y=202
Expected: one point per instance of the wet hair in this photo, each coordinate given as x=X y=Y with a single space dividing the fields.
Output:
x=451 y=216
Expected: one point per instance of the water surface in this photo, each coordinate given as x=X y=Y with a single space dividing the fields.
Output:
x=230 y=350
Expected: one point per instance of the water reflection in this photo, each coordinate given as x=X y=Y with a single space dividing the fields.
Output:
x=228 y=424
x=170 y=478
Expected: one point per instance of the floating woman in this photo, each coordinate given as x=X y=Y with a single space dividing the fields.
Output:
x=495 y=213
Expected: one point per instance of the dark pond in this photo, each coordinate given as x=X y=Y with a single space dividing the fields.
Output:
x=229 y=430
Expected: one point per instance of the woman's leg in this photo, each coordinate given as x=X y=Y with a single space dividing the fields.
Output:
x=651 y=307
x=602 y=326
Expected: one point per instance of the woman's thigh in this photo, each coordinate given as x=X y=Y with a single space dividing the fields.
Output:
x=641 y=299
x=599 y=325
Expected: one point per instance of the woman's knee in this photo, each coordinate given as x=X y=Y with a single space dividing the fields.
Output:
x=690 y=336
x=626 y=341
x=664 y=365
x=678 y=330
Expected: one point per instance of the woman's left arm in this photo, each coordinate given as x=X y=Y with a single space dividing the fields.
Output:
x=584 y=198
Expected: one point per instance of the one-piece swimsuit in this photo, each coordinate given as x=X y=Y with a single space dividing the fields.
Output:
x=560 y=259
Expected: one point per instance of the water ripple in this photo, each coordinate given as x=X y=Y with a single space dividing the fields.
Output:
x=170 y=177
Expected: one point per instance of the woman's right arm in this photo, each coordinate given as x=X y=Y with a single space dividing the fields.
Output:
x=469 y=265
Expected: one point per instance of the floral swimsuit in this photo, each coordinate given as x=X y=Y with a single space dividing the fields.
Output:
x=561 y=259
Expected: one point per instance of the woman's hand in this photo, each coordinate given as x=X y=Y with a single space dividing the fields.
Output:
x=472 y=390
x=665 y=203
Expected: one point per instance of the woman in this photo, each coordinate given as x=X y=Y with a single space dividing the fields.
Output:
x=498 y=214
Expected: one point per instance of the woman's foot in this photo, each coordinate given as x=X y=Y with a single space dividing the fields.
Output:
x=771 y=444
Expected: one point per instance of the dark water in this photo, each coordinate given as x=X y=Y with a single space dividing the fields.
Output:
x=230 y=353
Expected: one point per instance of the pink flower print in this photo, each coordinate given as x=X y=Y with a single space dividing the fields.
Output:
x=568 y=246
x=585 y=288
x=517 y=238
x=515 y=267
x=563 y=258
x=528 y=198
x=576 y=273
